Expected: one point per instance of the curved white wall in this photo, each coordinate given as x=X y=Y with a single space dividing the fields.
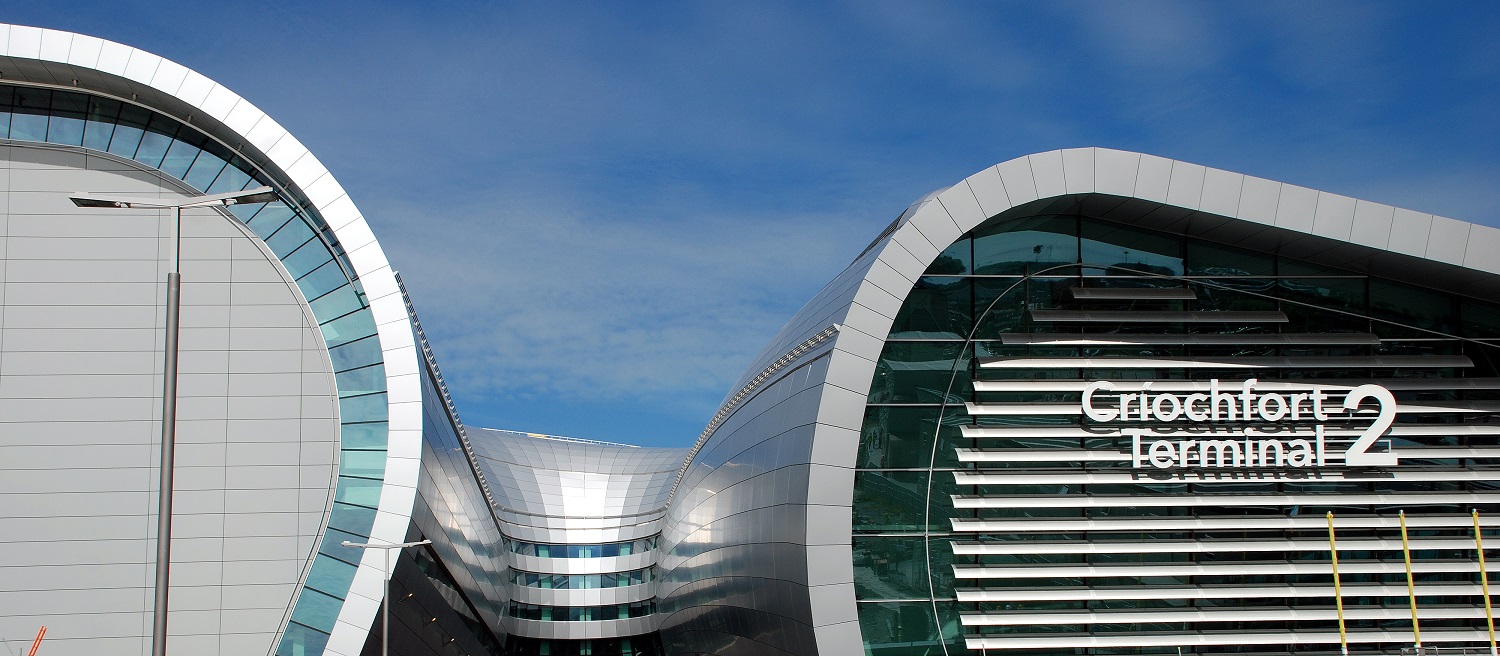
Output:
x=90 y=63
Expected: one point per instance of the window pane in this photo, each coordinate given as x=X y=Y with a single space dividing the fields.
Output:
x=308 y=257
x=234 y=178
x=317 y=610
x=289 y=238
x=204 y=170
x=955 y=260
x=361 y=381
x=101 y=123
x=362 y=463
x=270 y=220
x=370 y=407
x=155 y=142
x=348 y=328
x=921 y=372
x=29 y=115
x=358 y=491
x=890 y=501
x=300 y=640
x=936 y=308
x=898 y=437
x=1026 y=245
x=128 y=133
x=1122 y=249
x=180 y=156
x=365 y=435
x=355 y=354
x=68 y=111
x=352 y=519
x=334 y=304
x=332 y=576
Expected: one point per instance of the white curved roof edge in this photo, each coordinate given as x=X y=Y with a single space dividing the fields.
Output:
x=866 y=296
x=375 y=274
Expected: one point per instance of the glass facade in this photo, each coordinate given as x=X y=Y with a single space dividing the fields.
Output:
x=582 y=581
x=582 y=613
x=308 y=250
x=990 y=512
x=642 y=645
x=608 y=550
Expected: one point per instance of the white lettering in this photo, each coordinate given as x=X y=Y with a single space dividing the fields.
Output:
x=1088 y=401
x=1169 y=414
x=1267 y=414
x=1162 y=454
x=1247 y=446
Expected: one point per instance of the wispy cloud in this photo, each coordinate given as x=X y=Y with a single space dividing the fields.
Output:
x=612 y=206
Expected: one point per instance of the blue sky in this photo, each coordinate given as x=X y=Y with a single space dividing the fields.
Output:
x=602 y=210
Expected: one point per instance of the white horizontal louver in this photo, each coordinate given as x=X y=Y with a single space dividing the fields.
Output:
x=1034 y=546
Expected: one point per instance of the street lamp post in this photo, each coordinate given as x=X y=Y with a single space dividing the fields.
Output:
x=385 y=603
x=169 y=373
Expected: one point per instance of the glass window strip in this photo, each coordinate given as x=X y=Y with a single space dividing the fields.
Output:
x=605 y=550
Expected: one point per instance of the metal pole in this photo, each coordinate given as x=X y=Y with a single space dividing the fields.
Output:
x=1338 y=591
x=385 y=609
x=1411 y=586
x=1484 y=581
x=168 y=444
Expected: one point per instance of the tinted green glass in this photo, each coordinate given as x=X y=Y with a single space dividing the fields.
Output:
x=921 y=372
x=289 y=238
x=331 y=575
x=352 y=519
x=899 y=629
x=1026 y=245
x=204 y=170
x=320 y=281
x=65 y=130
x=890 y=568
x=366 y=435
x=369 y=407
x=299 y=640
x=348 y=328
x=316 y=609
x=358 y=491
x=180 y=156
x=29 y=114
x=155 y=142
x=936 y=308
x=234 y=177
x=1411 y=311
x=361 y=381
x=890 y=501
x=337 y=302
x=366 y=464
x=1000 y=306
x=269 y=220
x=955 y=260
x=1121 y=249
x=355 y=354
x=899 y=437
x=1208 y=259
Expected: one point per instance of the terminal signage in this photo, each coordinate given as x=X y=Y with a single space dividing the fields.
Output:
x=1238 y=426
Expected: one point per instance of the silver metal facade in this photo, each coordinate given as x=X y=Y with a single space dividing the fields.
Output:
x=577 y=499
x=720 y=520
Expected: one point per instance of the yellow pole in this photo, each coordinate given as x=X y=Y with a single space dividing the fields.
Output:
x=1338 y=590
x=1411 y=586
x=1484 y=582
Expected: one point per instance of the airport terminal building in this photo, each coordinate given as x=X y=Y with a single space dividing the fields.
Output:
x=1082 y=402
